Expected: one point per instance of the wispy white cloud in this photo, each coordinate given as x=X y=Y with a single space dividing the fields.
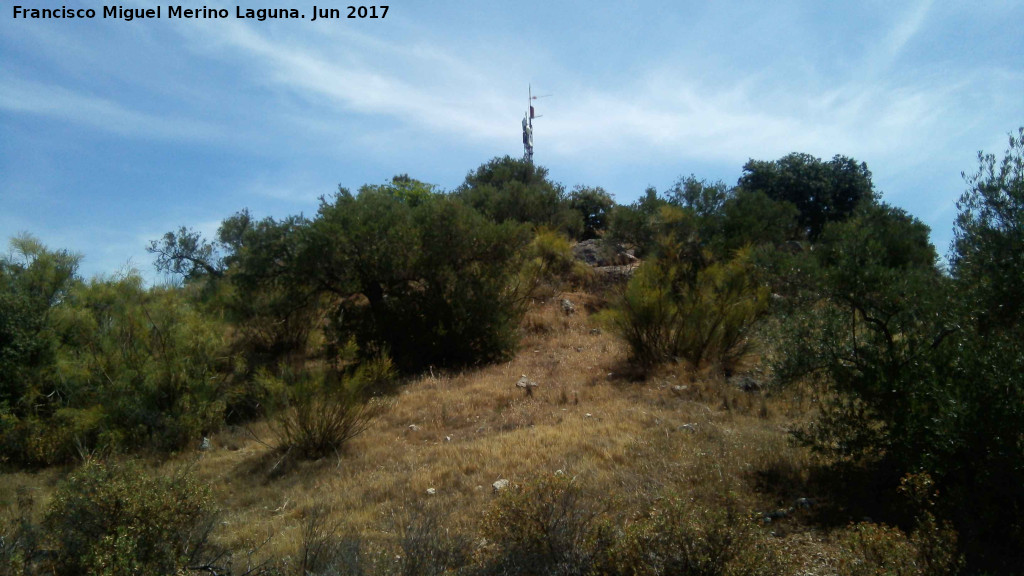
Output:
x=908 y=25
x=729 y=124
x=425 y=86
x=655 y=114
x=30 y=97
x=27 y=96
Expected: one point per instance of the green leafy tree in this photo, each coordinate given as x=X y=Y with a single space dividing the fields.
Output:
x=594 y=205
x=874 y=340
x=922 y=371
x=988 y=248
x=706 y=199
x=981 y=452
x=251 y=274
x=430 y=281
x=33 y=281
x=186 y=253
x=637 y=224
x=755 y=219
x=822 y=191
x=273 y=303
x=511 y=189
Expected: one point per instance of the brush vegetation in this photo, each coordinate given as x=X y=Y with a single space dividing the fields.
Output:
x=336 y=395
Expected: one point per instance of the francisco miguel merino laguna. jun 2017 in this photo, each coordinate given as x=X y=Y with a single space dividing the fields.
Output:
x=204 y=13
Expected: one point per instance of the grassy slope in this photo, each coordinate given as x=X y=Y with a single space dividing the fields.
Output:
x=627 y=442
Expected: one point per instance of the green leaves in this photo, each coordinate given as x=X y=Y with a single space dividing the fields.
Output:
x=594 y=205
x=427 y=282
x=822 y=191
x=689 y=309
x=513 y=190
x=879 y=322
x=106 y=364
x=117 y=520
x=987 y=256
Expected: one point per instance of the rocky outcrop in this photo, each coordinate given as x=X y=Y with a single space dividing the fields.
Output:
x=599 y=254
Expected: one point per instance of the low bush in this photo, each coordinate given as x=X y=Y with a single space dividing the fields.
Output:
x=325 y=551
x=701 y=315
x=550 y=266
x=545 y=526
x=681 y=537
x=429 y=547
x=116 y=520
x=876 y=549
x=21 y=539
x=322 y=411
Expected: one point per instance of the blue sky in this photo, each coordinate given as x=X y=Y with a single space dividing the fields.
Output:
x=114 y=132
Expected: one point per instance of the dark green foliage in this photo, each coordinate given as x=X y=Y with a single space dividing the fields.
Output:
x=684 y=305
x=982 y=452
x=752 y=218
x=637 y=225
x=252 y=276
x=822 y=191
x=988 y=250
x=705 y=202
x=722 y=219
x=272 y=302
x=118 y=366
x=920 y=371
x=705 y=199
x=874 y=337
x=594 y=205
x=33 y=280
x=187 y=254
x=114 y=520
x=511 y=189
x=977 y=455
x=407 y=271
x=430 y=282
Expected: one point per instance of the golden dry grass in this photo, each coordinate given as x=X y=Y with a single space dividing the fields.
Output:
x=457 y=433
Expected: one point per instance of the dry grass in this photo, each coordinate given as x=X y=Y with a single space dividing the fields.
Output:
x=457 y=433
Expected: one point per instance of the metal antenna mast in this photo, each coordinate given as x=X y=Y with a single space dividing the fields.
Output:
x=528 y=127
